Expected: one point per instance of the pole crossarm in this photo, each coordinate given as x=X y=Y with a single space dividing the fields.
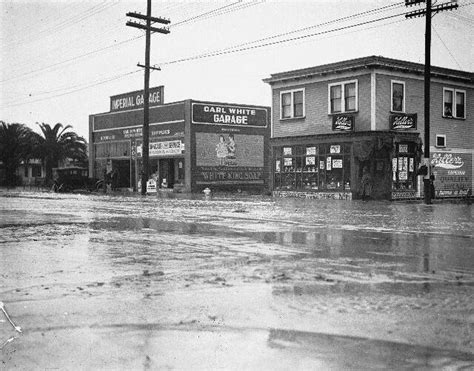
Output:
x=150 y=67
x=435 y=9
x=152 y=19
x=145 y=27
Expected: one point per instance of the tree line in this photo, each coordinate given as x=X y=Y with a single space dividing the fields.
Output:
x=19 y=144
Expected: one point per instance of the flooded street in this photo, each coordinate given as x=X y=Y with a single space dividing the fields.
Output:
x=115 y=282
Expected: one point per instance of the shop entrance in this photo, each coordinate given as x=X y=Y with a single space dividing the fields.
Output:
x=167 y=174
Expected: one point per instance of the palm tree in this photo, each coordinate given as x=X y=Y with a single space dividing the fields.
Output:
x=57 y=144
x=16 y=145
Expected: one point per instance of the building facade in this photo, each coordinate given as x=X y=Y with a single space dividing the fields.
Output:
x=355 y=129
x=193 y=144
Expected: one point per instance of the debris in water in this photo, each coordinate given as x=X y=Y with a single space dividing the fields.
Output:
x=8 y=341
x=2 y=307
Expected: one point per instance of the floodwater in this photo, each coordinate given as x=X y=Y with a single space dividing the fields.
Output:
x=177 y=282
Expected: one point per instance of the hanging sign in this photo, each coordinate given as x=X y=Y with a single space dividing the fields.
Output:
x=343 y=123
x=403 y=121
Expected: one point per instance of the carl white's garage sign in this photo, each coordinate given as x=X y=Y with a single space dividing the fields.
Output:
x=229 y=115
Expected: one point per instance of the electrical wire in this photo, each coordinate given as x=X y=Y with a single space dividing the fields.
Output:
x=449 y=51
x=75 y=90
x=240 y=49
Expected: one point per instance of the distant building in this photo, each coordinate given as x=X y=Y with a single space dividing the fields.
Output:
x=354 y=129
x=192 y=144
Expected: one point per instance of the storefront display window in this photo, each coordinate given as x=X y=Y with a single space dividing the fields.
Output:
x=403 y=167
x=312 y=167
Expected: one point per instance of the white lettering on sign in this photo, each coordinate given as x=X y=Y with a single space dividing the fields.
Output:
x=447 y=161
x=232 y=111
x=231 y=119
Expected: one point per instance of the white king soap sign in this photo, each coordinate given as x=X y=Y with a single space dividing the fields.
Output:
x=135 y=99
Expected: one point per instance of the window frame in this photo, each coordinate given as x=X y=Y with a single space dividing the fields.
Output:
x=439 y=136
x=454 y=92
x=392 y=82
x=343 y=84
x=292 y=103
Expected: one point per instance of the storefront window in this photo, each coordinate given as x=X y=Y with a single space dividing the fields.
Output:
x=324 y=167
x=403 y=167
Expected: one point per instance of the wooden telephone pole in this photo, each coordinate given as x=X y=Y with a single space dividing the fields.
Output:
x=146 y=91
x=428 y=12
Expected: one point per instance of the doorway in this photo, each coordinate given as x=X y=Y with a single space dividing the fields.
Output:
x=167 y=173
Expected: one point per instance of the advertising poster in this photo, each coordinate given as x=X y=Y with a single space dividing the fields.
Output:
x=453 y=173
x=229 y=158
x=337 y=163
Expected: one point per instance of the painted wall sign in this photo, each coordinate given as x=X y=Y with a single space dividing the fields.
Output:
x=228 y=176
x=403 y=121
x=223 y=159
x=228 y=150
x=453 y=173
x=403 y=195
x=343 y=123
x=135 y=99
x=315 y=195
x=156 y=131
x=228 y=115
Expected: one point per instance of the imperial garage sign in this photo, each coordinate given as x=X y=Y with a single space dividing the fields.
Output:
x=229 y=115
x=135 y=99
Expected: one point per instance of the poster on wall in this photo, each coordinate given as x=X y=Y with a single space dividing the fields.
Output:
x=453 y=173
x=229 y=158
x=165 y=148
x=337 y=163
x=310 y=160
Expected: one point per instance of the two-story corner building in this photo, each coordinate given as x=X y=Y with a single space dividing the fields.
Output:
x=354 y=129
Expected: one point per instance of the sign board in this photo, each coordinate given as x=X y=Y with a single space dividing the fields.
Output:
x=229 y=159
x=166 y=148
x=156 y=131
x=220 y=114
x=453 y=173
x=135 y=99
x=343 y=123
x=403 y=121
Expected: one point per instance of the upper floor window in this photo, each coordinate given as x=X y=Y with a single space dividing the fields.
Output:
x=454 y=103
x=398 y=96
x=342 y=97
x=292 y=104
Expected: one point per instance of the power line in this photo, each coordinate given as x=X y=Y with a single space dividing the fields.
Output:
x=377 y=10
x=71 y=59
x=66 y=23
x=253 y=47
x=76 y=90
x=240 y=49
x=449 y=51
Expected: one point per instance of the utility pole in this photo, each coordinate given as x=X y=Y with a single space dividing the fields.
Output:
x=428 y=12
x=146 y=91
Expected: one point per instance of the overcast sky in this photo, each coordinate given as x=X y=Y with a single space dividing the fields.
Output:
x=62 y=60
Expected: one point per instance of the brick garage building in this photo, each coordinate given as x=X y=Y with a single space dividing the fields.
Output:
x=354 y=128
x=193 y=144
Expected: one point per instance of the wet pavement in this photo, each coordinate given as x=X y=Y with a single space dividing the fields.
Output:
x=131 y=282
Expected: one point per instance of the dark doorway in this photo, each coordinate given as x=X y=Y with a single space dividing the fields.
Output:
x=167 y=172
